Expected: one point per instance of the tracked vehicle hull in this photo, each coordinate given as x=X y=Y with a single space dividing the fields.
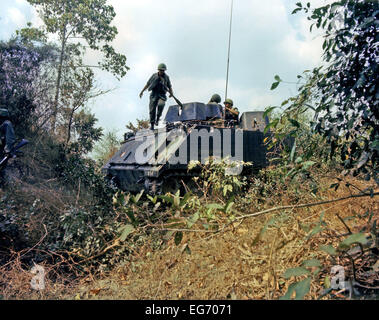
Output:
x=150 y=159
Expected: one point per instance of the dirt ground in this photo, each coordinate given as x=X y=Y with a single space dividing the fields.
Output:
x=232 y=264
x=228 y=265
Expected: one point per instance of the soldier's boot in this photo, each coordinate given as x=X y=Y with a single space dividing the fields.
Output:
x=152 y=126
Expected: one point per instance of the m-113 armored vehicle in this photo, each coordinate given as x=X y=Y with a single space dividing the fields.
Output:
x=157 y=160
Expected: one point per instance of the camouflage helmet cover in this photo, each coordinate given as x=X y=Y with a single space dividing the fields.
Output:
x=216 y=98
x=162 y=66
x=4 y=113
x=230 y=101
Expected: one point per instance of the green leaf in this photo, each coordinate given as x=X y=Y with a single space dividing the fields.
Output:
x=137 y=197
x=225 y=191
x=126 y=230
x=273 y=124
x=312 y=263
x=274 y=85
x=131 y=216
x=314 y=231
x=299 y=160
x=329 y=249
x=294 y=122
x=352 y=239
x=178 y=237
x=167 y=199
x=268 y=111
x=289 y=292
x=301 y=288
x=295 y=272
x=229 y=205
x=185 y=199
x=296 y=10
x=192 y=220
x=214 y=206
x=277 y=78
x=308 y=164
x=327 y=282
x=177 y=201
x=291 y=173
x=168 y=235
x=152 y=200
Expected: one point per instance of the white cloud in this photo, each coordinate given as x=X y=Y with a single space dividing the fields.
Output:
x=192 y=89
x=144 y=67
x=16 y=17
x=306 y=49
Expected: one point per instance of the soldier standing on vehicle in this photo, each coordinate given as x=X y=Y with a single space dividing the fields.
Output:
x=159 y=83
x=230 y=114
x=7 y=136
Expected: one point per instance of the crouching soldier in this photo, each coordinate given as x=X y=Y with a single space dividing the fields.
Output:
x=7 y=136
x=159 y=83
x=231 y=114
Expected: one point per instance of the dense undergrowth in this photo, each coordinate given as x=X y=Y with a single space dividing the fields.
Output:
x=257 y=222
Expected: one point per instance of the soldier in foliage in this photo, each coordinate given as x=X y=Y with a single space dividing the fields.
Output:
x=7 y=136
x=159 y=84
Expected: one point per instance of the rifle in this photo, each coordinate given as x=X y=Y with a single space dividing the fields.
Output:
x=178 y=102
x=175 y=98
x=11 y=154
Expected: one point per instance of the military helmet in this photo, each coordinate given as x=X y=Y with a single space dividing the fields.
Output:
x=162 y=66
x=216 y=98
x=230 y=101
x=4 y=113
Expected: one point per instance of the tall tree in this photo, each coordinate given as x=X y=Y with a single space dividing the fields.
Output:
x=344 y=91
x=24 y=82
x=78 y=24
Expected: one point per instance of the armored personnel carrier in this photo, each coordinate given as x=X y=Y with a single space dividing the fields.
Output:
x=157 y=160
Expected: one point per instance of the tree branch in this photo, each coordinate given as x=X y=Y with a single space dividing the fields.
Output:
x=306 y=205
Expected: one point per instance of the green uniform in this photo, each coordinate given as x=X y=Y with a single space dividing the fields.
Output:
x=231 y=116
x=219 y=108
x=158 y=87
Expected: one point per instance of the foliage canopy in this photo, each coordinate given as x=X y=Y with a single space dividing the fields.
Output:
x=343 y=93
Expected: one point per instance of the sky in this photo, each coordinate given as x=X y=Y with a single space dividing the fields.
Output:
x=191 y=38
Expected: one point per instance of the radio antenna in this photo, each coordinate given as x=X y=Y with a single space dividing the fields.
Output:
x=230 y=37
